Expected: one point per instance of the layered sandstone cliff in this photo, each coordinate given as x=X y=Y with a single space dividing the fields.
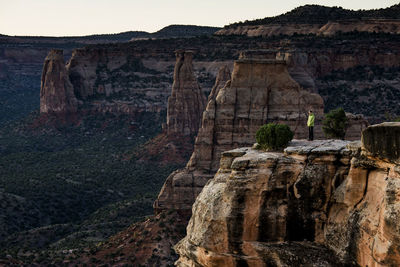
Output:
x=186 y=102
x=296 y=208
x=130 y=79
x=137 y=77
x=260 y=91
x=330 y=28
x=56 y=91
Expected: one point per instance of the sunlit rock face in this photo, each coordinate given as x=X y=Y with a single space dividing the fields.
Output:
x=321 y=203
x=186 y=103
x=56 y=91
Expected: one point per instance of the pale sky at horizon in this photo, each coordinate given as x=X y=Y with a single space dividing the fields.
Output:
x=84 y=17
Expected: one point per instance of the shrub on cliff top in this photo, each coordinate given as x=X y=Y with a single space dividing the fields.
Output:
x=335 y=123
x=274 y=136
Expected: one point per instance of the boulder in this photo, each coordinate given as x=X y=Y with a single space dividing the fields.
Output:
x=383 y=141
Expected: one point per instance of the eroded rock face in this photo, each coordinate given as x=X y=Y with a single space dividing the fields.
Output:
x=260 y=91
x=330 y=28
x=224 y=75
x=56 y=91
x=257 y=199
x=269 y=209
x=383 y=140
x=186 y=103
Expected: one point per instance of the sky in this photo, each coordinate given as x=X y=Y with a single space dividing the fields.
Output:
x=84 y=17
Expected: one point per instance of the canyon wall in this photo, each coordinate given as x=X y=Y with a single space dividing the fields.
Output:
x=116 y=80
x=321 y=203
x=260 y=91
x=129 y=80
x=331 y=28
x=138 y=76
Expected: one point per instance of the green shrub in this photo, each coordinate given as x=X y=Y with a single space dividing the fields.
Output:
x=274 y=136
x=335 y=123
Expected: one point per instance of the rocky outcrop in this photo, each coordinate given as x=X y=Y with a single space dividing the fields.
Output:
x=260 y=91
x=56 y=91
x=292 y=208
x=330 y=28
x=186 y=103
x=258 y=202
x=364 y=25
x=270 y=30
x=363 y=220
x=382 y=141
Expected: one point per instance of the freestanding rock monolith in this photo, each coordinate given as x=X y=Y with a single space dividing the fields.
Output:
x=56 y=91
x=186 y=103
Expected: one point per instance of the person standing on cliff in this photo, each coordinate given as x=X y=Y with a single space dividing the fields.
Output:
x=310 y=124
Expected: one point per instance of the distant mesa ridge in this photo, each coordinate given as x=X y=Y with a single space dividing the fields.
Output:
x=319 y=20
x=317 y=14
x=171 y=31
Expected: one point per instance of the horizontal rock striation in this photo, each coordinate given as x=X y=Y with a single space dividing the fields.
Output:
x=321 y=203
x=331 y=28
x=137 y=76
x=56 y=91
x=258 y=200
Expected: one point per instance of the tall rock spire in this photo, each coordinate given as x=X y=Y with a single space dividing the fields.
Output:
x=260 y=91
x=56 y=91
x=186 y=103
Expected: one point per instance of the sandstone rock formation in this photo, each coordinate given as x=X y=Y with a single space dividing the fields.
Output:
x=56 y=91
x=136 y=77
x=330 y=28
x=259 y=203
x=260 y=91
x=270 y=30
x=285 y=209
x=365 y=25
x=186 y=103
x=224 y=75
x=380 y=141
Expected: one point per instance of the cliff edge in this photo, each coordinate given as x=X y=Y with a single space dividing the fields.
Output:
x=321 y=203
x=260 y=91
